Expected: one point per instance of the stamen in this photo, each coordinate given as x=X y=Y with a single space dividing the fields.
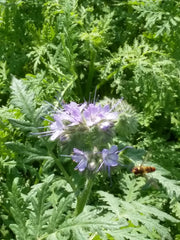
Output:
x=118 y=102
x=41 y=133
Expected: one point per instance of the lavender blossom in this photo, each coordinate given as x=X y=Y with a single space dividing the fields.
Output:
x=90 y=160
x=65 y=119
x=72 y=113
x=110 y=157
x=98 y=115
x=81 y=158
x=82 y=116
x=57 y=128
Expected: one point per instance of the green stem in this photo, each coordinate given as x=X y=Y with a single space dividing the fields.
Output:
x=66 y=175
x=83 y=197
x=91 y=71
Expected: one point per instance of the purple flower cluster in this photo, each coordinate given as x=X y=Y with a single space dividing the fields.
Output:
x=109 y=158
x=88 y=126
x=83 y=115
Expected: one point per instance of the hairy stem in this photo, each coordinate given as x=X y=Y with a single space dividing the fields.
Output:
x=83 y=196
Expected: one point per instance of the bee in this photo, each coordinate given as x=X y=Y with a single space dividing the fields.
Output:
x=142 y=170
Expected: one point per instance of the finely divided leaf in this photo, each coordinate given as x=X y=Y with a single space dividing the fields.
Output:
x=22 y=98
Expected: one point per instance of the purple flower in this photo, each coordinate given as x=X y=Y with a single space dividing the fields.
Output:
x=71 y=113
x=89 y=160
x=65 y=118
x=57 y=128
x=110 y=157
x=73 y=117
x=81 y=158
x=98 y=115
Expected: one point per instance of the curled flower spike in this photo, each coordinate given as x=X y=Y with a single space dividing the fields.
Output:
x=82 y=116
x=81 y=158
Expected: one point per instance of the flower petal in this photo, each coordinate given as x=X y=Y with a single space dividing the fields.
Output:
x=79 y=157
x=81 y=166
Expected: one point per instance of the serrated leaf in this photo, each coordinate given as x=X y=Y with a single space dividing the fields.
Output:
x=23 y=125
x=22 y=98
x=27 y=150
x=171 y=186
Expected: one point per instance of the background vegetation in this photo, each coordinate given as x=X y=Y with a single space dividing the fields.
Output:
x=128 y=49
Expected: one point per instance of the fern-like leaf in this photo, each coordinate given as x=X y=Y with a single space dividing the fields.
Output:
x=18 y=210
x=171 y=185
x=23 y=125
x=131 y=187
x=58 y=214
x=22 y=98
x=86 y=223
x=39 y=216
x=139 y=214
x=27 y=150
x=175 y=206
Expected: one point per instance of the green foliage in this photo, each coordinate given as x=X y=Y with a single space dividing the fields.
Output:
x=126 y=49
x=24 y=99
x=144 y=220
x=46 y=213
x=147 y=73
x=171 y=185
x=175 y=206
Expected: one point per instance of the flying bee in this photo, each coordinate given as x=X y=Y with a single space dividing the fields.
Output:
x=142 y=170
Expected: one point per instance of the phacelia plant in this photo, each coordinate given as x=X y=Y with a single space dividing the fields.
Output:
x=87 y=131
